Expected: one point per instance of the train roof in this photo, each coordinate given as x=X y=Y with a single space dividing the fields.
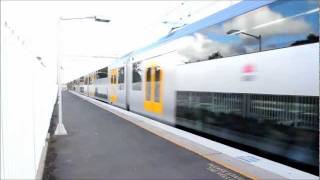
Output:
x=230 y=12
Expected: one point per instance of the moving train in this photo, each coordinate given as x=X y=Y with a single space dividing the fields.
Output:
x=248 y=75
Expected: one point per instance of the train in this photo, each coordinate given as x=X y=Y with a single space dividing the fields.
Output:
x=247 y=75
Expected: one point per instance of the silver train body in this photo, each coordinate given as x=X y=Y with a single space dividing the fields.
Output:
x=267 y=99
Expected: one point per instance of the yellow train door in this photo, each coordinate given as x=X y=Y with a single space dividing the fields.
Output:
x=153 y=89
x=113 y=83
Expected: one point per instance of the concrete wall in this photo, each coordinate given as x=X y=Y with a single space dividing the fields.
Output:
x=28 y=94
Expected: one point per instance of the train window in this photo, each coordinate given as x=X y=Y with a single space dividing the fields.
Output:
x=121 y=78
x=278 y=25
x=157 y=84
x=136 y=76
x=81 y=79
x=101 y=75
x=121 y=75
x=104 y=71
x=256 y=120
x=148 y=84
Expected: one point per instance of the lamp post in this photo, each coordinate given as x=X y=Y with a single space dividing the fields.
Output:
x=177 y=25
x=236 y=31
x=61 y=130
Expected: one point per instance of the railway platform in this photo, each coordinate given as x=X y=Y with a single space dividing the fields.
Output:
x=105 y=142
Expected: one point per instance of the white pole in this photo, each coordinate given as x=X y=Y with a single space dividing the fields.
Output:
x=60 y=130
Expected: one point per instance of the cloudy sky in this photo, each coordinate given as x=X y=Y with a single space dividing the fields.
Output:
x=134 y=24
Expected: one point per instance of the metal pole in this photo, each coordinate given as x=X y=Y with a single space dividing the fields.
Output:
x=259 y=38
x=60 y=130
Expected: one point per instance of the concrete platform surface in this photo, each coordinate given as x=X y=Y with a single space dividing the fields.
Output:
x=101 y=145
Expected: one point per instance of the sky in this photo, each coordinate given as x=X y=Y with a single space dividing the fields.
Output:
x=134 y=24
